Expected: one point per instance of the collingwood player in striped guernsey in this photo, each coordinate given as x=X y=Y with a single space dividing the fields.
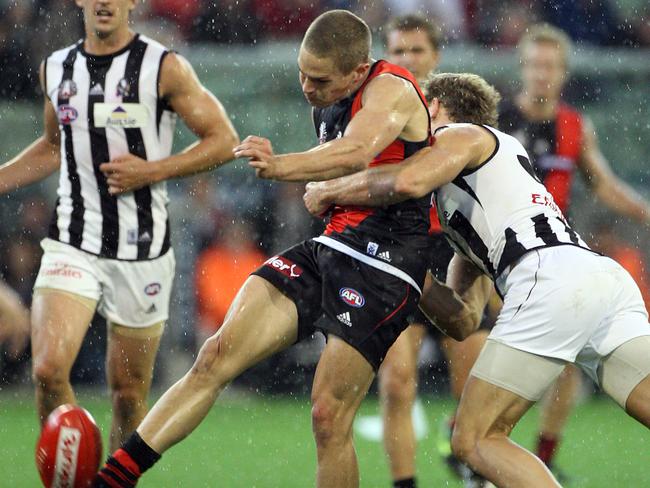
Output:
x=563 y=303
x=111 y=102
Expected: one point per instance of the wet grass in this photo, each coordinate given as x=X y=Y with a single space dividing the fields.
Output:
x=258 y=442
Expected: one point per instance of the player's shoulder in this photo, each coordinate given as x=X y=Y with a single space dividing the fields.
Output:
x=392 y=81
x=60 y=55
x=465 y=130
x=153 y=44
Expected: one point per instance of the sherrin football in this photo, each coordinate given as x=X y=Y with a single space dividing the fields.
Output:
x=69 y=449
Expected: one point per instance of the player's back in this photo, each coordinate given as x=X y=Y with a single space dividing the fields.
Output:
x=499 y=211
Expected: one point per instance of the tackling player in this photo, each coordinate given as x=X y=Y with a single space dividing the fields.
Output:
x=563 y=303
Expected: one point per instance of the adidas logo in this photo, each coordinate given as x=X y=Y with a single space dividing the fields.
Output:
x=152 y=309
x=144 y=237
x=96 y=90
x=384 y=255
x=345 y=318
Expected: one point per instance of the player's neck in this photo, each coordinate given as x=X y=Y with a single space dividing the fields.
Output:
x=116 y=41
x=537 y=109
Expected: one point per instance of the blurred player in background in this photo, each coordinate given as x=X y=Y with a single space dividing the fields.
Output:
x=110 y=108
x=412 y=42
x=563 y=303
x=355 y=283
x=14 y=322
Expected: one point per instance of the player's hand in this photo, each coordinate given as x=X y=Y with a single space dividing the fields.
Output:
x=314 y=201
x=127 y=173
x=260 y=152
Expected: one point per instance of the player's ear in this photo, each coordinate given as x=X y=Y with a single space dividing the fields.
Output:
x=434 y=107
x=360 y=71
x=133 y=4
x=79 y=3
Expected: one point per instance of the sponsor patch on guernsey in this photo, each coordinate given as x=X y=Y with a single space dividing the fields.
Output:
x=121 y=115
x=352 y=297
x=284 y=266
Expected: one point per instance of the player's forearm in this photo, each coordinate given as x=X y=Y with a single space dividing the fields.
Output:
x=36 y=162
x=448 y=311
x=208 y=153
x=331 y=160
x=457 y=313
x=373 y=187
x=624 y=200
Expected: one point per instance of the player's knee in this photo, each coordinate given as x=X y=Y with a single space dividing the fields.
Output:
x=463 y=444
x=398 y=385
x=211 y=366
x=326 y=420
x=128 y=400
x=49 y=375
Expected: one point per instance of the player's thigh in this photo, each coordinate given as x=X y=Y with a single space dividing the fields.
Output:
x=131 y=354
x=402 y=357
x=66 y=292
x=463 y=354
x=60 y=320
x=341 y=381
x=260 y=322
x=461 y=357
x=623 y=375
x=503 y=384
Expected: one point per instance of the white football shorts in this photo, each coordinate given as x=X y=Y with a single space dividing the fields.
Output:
x=569 y=303
x=129 y=293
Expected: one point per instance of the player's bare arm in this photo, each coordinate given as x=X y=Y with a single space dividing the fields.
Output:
x=611 y=190
x=203 y=114
x=391 y=109
x=41 y=158
x=456 y=307
x=455 y=148
x=14 y=321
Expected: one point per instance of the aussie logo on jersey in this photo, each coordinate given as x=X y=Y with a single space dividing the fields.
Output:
x=352 y=297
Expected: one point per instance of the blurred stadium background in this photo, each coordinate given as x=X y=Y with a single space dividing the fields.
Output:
x=226 y=222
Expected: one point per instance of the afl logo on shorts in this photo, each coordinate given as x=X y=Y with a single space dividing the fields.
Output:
x=152 y=289
x=67 y=114
x=352 y=297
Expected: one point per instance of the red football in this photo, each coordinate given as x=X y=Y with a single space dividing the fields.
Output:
x=69 y=449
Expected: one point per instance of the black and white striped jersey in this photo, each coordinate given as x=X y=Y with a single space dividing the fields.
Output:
x=108 y=106
x=497 y=212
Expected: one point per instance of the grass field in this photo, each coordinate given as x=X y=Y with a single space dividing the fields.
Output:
x=253 y=442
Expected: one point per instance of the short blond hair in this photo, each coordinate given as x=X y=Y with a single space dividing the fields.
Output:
x=547 y=34
x=466 y=97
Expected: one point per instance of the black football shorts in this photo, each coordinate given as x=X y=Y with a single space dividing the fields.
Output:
x=336 y=294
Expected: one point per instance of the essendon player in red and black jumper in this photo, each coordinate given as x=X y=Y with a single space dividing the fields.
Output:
x=554 y=146
x=357 y=283
x=362 y=278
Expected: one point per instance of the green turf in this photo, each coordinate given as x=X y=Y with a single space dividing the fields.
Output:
x=267 y=443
